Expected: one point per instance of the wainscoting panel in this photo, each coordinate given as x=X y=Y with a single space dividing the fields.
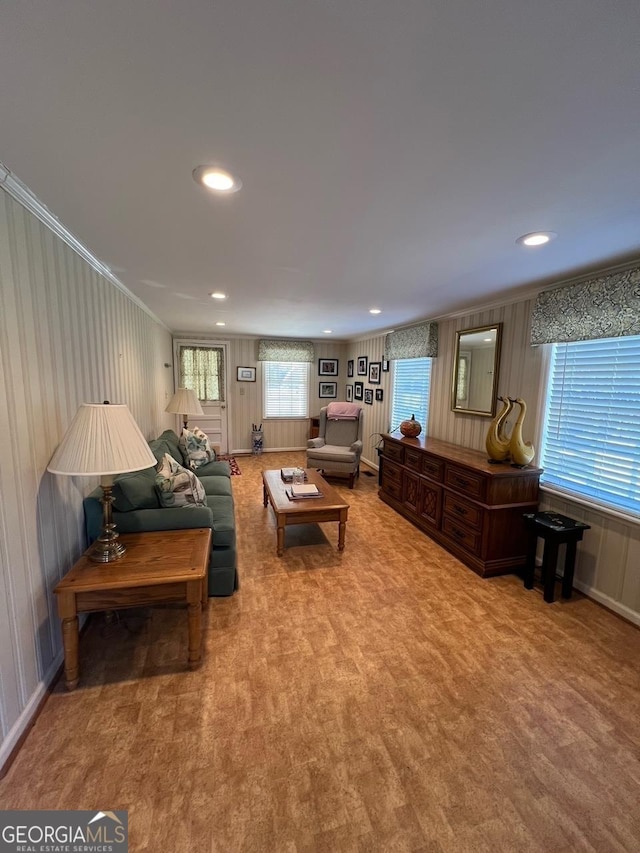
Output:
x=67 y=336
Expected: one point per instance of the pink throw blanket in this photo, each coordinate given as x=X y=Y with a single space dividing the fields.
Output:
x=343 y=411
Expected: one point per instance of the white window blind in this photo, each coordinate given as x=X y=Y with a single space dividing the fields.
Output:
x=286 y=389
x=591 y=440
x=411 y=383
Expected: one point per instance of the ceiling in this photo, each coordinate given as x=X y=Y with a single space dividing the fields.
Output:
x=391 y=153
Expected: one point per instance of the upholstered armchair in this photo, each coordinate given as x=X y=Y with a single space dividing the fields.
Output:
x=338 y=447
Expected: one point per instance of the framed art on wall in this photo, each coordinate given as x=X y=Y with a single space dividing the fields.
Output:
x=368 y=396
x=327 y=367
x=379 y=395
x=374 y=372
x=350 y=368
x=357 y=390
x=246 y=374
x=349 y=393
x=362 y=365
x=328 y=389
x=385 y=365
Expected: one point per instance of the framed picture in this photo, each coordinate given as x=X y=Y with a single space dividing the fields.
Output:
x=328 y=389
x=350 y=368
x=246 y=374
x=362 y=365
x=385 y=365
x=374 y=372
x=357 y=390
x=349 y=393
x=327 y=367
x=379 y=395
x=368 y=396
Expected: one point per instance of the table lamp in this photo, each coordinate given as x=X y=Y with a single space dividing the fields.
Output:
x=103 y=440
x=184 y=402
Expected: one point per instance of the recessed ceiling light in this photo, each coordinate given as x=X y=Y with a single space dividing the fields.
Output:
x=218 y=295
x=218 y=180
x=536 y=238
x=327 y=332
x=487 y=340
x=374 y=311
x=221 y=324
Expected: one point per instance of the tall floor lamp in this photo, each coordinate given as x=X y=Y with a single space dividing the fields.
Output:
x=184 y=402
x=102 y=440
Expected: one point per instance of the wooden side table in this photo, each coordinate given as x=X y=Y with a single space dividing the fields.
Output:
x=555 y=529
x=158 y=568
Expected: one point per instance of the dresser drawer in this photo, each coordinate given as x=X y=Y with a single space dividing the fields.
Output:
x=390 y=487
x=394 y=451
x=466 y=482
x=412 y=458
x=432 y=467
x=462 y=510
x=457 y=532
x=391 y=473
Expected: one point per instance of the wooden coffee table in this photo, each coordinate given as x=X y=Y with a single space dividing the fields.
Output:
x=161 y=567
x=330 y=507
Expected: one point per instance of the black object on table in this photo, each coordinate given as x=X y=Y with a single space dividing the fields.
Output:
x=555 y=529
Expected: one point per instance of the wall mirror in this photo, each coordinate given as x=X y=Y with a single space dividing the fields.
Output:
x=475 y=370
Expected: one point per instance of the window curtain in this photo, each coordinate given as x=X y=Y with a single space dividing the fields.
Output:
x=605 y=307
x=202 y=370
x=285 y=351
x=415 y=342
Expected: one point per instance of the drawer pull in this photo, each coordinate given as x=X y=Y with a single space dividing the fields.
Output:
x=459 y=534
x=460 y=481
x=460 y=510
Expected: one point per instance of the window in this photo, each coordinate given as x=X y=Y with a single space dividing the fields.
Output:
x=411 y=382
x=286 y=389
x=591 y=439
x=202 y=370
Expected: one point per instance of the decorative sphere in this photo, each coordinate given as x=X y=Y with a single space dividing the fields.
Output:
x=411 y=428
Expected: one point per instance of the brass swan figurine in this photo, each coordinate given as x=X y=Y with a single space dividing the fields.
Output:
x=521 y=452
x=496 y=442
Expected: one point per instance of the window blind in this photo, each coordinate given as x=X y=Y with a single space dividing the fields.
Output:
x=286 y=389
x=591 y=440
x=411 y=384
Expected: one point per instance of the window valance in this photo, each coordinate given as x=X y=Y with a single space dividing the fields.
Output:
x=415 y=342
x=285 y=351
x=605 y=307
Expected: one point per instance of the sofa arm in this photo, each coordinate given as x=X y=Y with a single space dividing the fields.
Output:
x=315 y=442
x=356 y=447
x=143 y=520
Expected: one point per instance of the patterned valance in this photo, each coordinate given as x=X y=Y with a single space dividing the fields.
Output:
x=415 y=342
x=606 y=307
x=285 y=351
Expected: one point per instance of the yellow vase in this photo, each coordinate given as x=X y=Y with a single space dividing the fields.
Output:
x=496 y=442
x=521 y=452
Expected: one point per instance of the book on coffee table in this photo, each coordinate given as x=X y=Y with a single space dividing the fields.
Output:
x=304 y=490
x=294 y=497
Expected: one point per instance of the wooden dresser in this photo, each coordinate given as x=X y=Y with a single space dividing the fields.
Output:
x=470 y=507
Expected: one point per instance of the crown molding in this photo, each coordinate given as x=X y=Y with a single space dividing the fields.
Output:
x=24 y=196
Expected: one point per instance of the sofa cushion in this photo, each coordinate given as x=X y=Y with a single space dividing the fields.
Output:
x=216 y=485
x=223 y=525
x=219 y=468
x=170 y=437
x=177 y=486
x=195 y=448
x=136 y=490
x=332 y=453
x=159 y=448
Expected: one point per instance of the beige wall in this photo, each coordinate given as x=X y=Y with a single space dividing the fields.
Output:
x=67 y=336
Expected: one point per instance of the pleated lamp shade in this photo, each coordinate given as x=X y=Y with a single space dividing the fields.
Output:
x=184 y=402
x=102 y=439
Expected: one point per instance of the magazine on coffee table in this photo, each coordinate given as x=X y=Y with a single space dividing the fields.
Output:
x=293 y=497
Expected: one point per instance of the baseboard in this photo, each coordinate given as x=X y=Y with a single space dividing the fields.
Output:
x=27 y=718
x=610 y=603
x=249 y=452
x=370 y=464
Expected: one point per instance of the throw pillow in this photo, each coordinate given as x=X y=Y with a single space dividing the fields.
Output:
x=135 y=491
x=195 y=448
x=177 y=486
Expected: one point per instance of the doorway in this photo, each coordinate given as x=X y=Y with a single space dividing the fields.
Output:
x=201 y=366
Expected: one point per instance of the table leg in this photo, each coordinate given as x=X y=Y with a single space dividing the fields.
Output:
x=70 y=639
x=280 y=549
x=265 y=496
x=569 y=565
x=549 y=562
x=194 y=599
x=342 y=527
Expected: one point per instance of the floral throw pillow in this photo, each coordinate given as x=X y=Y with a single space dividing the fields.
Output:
x=177 y=486
x=195 y=448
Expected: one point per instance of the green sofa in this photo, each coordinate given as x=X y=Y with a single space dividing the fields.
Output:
x=136 y=508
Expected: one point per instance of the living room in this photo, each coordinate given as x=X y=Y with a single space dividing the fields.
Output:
x=72 y=332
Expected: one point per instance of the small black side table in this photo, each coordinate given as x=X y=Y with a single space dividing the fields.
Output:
x=555 y=529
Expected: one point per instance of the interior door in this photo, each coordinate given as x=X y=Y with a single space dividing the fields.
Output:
x=201 y=366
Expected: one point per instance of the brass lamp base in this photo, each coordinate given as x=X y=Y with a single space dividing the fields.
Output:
x=107 y=548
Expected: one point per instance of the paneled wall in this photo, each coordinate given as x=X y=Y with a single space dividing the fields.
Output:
x=67 y=336
x=376 y=416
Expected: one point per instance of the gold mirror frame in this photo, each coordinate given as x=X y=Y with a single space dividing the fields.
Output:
x=475 y=392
